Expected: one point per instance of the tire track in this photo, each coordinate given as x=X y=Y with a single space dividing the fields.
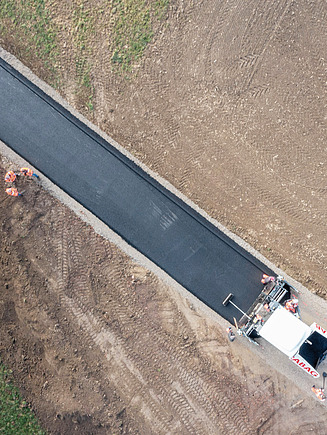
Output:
x=80 y=305
x=177 y=363
x=277 y=12
x=214 y=34
x=96 y=333
x=94 y=330
x=282 y=204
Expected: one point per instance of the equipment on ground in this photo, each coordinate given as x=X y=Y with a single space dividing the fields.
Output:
x=305 y=345
x=228 y=300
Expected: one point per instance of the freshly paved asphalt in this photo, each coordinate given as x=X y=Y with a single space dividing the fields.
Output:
x=149 y=217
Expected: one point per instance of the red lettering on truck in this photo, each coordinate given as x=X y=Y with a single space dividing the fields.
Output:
x=305 y=367
x=320 y=329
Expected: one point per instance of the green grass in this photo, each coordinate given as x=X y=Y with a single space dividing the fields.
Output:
x=31 y=18
x=15 y=416
x=83 y=24
x=33 y=28
x=133 y=30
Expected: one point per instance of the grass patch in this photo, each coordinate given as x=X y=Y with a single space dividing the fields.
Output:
x=15 y=416
x=47 y=34
x=83 y=24
x=31 y=19
x=133 y=30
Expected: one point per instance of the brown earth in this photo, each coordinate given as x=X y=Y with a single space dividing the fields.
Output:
x=229 y=105
x=98 y=344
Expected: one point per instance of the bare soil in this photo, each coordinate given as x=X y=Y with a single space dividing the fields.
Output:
x=98 y=344
x=229 y=105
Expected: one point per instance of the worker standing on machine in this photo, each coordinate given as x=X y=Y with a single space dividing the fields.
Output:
x=292 y=305
x=267 y=279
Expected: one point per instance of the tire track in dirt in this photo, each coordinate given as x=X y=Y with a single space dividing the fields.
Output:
x=214 y=34
x=277 y=10
x=95 y=331
x=263 y=194
x=194 y=402
x=191 y=377
x=251 y=60
x=312 y=56
x=81 y=308
x=287 y=171
x=113 y=347
x=288 y=168
x=158 y=354
x=300 y=154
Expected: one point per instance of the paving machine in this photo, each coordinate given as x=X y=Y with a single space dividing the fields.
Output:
x=268 y=318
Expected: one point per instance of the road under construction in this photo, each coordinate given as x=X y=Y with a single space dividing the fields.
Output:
x=148 y=216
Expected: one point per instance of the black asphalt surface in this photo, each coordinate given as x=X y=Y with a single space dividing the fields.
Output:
x=150 y=218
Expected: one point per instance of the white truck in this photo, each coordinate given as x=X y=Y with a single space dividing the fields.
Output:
x=305 y=345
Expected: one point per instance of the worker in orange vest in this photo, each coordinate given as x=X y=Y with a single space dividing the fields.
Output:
x=258 y=319
x=27 y=172
x=291 y=305
x=10 y=177
x=12 y=191
x=266 y=279
x=319 y=392
x=267 y=308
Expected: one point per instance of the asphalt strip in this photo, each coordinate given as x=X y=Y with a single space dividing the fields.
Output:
x=314 y=307
x=149 y=217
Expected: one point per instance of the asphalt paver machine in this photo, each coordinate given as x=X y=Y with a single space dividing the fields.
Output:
x=268 y=318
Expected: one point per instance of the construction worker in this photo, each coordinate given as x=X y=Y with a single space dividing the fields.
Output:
x=267 y=308
x=292 y=305
x=10 y=177
x=230 y=333
x=27 y=172
x=266 y=279
x=12 y=191
x=319 y=392
x=258 y=319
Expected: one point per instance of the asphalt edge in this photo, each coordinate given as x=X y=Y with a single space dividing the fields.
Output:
x=139 y=258
x=47 y=89
x=20 y=67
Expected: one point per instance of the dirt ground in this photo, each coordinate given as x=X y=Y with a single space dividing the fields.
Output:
x=229 y=105
x=98 y=344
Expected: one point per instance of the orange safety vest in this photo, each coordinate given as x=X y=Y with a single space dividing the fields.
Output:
x=266 y=279
x=10 y=176
x=12 y=191
x=26 y=171
x=266 y=307
x=291 y=306
x=319 y=393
